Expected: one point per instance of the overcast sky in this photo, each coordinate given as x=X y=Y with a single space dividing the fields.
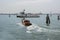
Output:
x=44 y=6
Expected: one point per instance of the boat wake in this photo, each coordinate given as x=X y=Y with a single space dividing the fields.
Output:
x=37 y=29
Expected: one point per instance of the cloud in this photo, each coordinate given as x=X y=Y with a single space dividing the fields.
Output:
x=29 y=5
x=31 y=1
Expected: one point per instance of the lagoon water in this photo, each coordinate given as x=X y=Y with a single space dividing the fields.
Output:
x=10 y=30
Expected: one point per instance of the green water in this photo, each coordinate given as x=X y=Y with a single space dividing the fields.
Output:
x=9 y=30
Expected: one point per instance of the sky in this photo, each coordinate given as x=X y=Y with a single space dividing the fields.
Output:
x=32 y=6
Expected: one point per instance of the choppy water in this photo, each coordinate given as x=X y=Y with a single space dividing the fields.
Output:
x=9 y=30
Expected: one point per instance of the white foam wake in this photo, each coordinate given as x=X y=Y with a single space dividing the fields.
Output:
x=34 y=29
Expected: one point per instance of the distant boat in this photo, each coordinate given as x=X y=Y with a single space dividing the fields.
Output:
x=27 y=16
